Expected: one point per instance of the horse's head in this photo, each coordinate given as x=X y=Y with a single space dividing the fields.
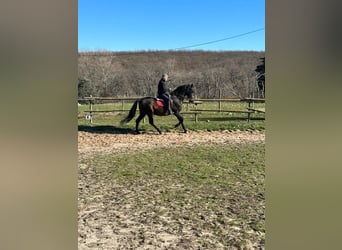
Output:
x=190 y=92
x=184 y=91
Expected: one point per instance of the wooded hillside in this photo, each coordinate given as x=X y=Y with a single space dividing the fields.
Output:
x=120 y=74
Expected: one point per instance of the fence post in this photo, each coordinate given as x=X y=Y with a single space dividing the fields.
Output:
x=249 y=111
x=220 y=96
x=91 y=109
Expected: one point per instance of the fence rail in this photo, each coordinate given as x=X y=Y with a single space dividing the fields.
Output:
x=196 y=111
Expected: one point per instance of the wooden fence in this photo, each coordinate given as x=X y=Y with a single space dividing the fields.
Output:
x=250 y=109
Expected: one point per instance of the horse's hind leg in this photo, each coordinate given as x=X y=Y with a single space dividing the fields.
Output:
x=140 y=117
x=150 y=120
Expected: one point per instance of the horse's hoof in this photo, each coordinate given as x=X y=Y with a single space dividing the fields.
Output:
x=137 y=132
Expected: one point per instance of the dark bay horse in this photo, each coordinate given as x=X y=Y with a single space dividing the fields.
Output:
x=149 y=106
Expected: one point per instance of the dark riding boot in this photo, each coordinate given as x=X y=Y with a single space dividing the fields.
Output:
x=167 y=108
x=166 y=111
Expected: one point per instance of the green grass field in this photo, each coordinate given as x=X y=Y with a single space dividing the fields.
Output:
x=206 y=120
x=207 y=196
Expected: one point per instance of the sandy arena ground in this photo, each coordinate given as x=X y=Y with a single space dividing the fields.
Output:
x=106 y=223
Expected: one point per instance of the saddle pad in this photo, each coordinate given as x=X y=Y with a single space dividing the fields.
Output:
x=160 y=103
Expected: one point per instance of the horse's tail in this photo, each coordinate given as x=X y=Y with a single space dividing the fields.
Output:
x=131 y=113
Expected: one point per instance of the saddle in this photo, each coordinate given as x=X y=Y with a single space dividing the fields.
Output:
x=160 y=102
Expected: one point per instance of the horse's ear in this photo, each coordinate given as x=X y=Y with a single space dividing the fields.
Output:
x=192 y=85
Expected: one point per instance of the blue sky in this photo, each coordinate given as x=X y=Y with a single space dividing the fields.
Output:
x=131 y=25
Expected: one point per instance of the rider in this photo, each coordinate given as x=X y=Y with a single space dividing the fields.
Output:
x=163 y=93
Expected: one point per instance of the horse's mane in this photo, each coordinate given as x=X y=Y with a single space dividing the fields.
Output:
x=180 y=90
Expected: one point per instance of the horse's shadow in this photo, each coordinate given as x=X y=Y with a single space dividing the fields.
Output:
x=104 y=129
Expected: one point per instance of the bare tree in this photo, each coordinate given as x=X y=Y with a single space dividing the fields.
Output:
x=229 y=74
x=260 y=78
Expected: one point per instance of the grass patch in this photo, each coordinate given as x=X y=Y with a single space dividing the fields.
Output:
x=214 y=194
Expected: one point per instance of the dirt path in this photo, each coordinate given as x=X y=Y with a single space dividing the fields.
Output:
x=106 y=212
x=94 y=143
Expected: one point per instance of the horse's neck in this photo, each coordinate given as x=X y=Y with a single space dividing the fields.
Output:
x=179 y=98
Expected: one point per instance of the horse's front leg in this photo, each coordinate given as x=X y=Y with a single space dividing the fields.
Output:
x=180 y=119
